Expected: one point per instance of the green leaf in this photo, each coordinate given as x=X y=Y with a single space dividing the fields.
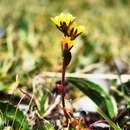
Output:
x=8 y=86
x=42 y=100
x=41 y=95
x=13 y=115
x=48 y=126
x=124 y=88
x=111 y=123
x=97 y=94
x=4 y=86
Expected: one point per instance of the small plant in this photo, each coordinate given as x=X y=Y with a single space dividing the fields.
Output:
x=67 y=25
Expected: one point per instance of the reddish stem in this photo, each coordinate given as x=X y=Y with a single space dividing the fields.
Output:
x=63 y=89
x=62 y=83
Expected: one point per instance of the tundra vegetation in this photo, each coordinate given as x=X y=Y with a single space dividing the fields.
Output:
x=64 y=65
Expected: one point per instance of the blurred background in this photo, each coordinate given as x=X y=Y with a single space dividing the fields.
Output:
x=30 y=42
x=30 y=48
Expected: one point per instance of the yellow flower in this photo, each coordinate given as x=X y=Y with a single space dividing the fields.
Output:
x=63 y=22
x=66 y=24
x=75 y=30
x=67 y=43
x=67 y=18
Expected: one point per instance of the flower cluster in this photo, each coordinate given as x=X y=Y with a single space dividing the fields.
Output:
x=67 y=25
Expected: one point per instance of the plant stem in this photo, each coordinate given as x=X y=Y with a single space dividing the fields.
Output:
x=62 y=83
